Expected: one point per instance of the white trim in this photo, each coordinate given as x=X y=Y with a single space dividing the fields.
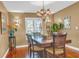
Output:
x=72 y=47
x=6 y=53
x=21 y=46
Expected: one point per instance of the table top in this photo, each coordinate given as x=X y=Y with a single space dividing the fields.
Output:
x=41 y=40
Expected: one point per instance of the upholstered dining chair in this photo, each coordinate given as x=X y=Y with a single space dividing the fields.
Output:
x=58 y=46
x=34 y=48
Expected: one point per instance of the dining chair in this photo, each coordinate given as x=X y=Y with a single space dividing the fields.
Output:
x=34 y=48
x=58 y=46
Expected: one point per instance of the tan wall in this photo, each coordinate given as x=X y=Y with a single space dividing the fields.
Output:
x=72 y=11
x=20 y=34
x=3 y=37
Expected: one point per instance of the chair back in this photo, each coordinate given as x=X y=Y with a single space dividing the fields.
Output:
x=29 y=37
x=59 y=40
x=36 y=34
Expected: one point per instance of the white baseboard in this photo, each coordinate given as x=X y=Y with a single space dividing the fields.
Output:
x=21 y=46
x=6 y=53
x=72 y=47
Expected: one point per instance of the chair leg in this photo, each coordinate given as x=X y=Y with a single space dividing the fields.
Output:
x=64 y=55
x=64 y=52
x=44 y=53
x=41 y=54
x=30 y=53
x=33 y=54
x=38 y=53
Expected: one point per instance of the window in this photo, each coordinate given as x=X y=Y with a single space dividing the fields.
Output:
x=33 y=25
x=37 y=24
x=67 y=22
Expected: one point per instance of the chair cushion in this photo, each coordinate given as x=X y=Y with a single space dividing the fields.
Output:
x=36 y=48
x=57 y=51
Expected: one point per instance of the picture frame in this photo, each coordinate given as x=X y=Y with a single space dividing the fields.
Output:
x=4 y=23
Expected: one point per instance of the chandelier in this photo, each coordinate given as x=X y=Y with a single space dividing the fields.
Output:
x=44 y=12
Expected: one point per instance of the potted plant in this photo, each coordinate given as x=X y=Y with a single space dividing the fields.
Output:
x=57 y=27
x=54 y=27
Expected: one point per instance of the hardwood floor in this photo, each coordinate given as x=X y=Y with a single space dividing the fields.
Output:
x=23 y=53
x=72 y=53
x=18 y=53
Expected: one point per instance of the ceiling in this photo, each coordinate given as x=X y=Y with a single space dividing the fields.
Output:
x=33 y=6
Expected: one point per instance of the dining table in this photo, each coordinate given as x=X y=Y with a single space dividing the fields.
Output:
x=45 y=41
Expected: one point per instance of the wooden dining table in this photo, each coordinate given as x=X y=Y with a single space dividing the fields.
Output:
x=45 y=42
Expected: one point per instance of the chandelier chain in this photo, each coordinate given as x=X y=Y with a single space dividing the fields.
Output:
x=43 y=4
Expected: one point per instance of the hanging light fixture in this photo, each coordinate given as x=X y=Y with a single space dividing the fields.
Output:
x=43 y=12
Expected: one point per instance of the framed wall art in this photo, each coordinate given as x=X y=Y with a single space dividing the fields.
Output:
x=4 y=23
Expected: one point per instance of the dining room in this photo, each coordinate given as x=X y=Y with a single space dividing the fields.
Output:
x=41 y=29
